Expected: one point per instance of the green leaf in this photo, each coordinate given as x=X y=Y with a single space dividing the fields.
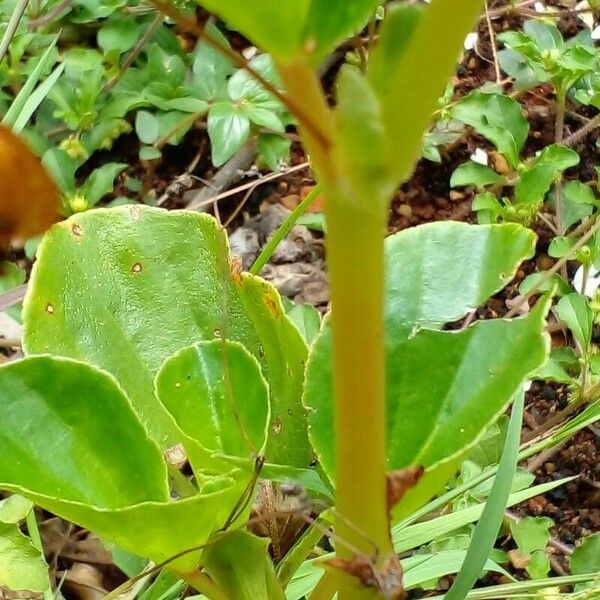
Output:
x=307 y=319
x=119 y=33
x=22 y=566
x=575 y=312
x=273 y=25
x=539 y=176
x=228 y=129
x=240 y=565
x=101 y=182
x=546 y=36
x=486 y=530
x=218 y=397
x=330 y=22
x=274 y=150
x=125 y=288
x=289 y=29
x=559 y=246
x=79 y=451
x=146 y=127
x=149 y=153
x=586 y=558
x=496 y=117
x=54 y=429
x=61 y=168
x=549 y=283
x=578 y=202
x=263 y=117
x=427 y=268
x=14 y=509
x=469 y=376
x=531 y=533
x=211 y=68
x=472 y=173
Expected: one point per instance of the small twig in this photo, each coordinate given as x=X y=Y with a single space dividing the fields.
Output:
x=499 y=12
x=578 y=135
x=493 y=43
x=241 y=204
x=52 y=14
x=175 y=186
x=543 y=457
x=555 y=269
x=231 y=172
x=11 y=28
x=12 y=297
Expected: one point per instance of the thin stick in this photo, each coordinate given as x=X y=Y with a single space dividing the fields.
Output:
x=189 y=25
x=12 y=297
x=582 y=131
x=11 y=28
x=245 y=186
x=555 y=268
x=493 y=43
x=52 y=14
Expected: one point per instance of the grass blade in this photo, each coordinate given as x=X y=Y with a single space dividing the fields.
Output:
x=12 y=114
x=33 y=102
x=488 y=526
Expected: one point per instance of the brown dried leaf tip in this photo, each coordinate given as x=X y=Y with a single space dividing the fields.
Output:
x=387 y=579
x=400 y=481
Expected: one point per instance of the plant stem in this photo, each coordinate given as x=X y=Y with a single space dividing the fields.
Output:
x=283 y=230
x=36 y=540
x=559 y=123
x=355 y=234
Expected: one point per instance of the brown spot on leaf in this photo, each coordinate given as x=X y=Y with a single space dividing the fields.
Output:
x=236 y=269
x=271 y=303
x=277 y=426
x=400 y=481
x=137 y=268
x=76 y=229
x=50 y=309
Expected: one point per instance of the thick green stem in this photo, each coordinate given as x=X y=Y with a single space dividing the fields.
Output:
x=355 y=232
x=355 y=259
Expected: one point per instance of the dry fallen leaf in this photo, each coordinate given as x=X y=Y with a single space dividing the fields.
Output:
x=29 y=199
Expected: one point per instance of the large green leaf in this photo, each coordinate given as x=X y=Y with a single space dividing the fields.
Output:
x=274 y=25
x=68 y=427
x=290 y=28
x=436 y=273
x=127 y=287
x=77 y=449
x=217 y=395
x=443 y=388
